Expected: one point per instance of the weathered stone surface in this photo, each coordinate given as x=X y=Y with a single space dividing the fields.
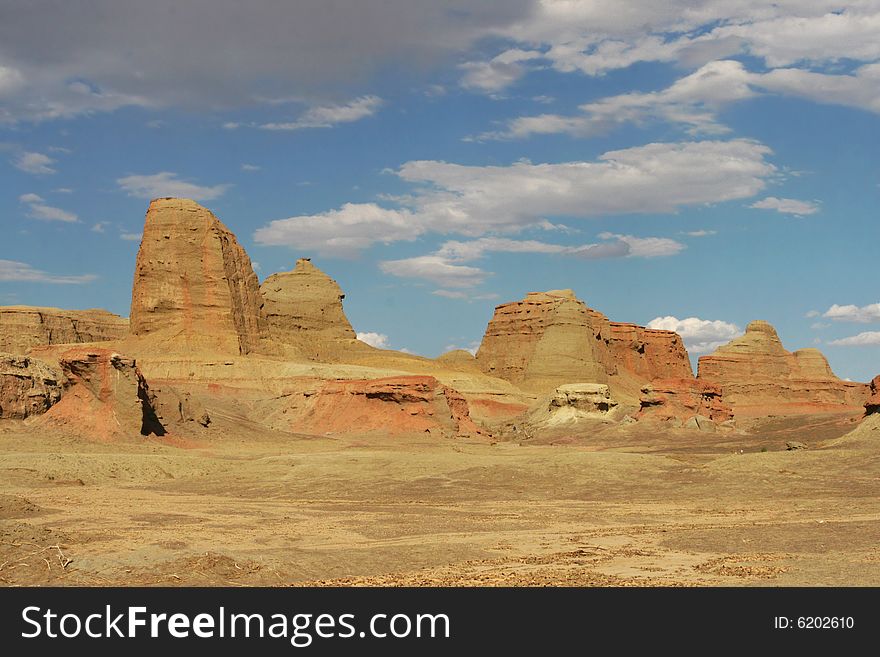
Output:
x=175 y=408
x=872 y=405
x=303 y=307
x=793 y=445
x=760 y=377
x=23 y=327
x=27 y=386
x=105 y=398
x=547 y=339
x=683 y=399
x=193 y=282
x=392 y=405
x=649 y=353
x=573 y=403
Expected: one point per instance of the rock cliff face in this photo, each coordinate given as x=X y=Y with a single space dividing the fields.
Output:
x=682 y=399
x=759 y=376
x=393 y=406
x=649 y=353
x=303 y=307
x=872 y=406
x=23 y=327
x=193 y=282
x=545 y=340
x=105 y=398
x=573 y=403
x=27 y=387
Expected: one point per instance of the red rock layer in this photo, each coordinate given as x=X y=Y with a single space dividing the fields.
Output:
x=393 y=405
x=682 y=399
x=193 y=282
x=23 y=327
x=649 y=353
x=760 y=377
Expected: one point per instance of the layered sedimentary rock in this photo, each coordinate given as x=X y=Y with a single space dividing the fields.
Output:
x=105 y=398
x=683 y=399
x=23 y=327
x=872 y=405
x=303 y=307
x=194 y=284
x=393 y=406
x=759 y=376
x=649 y=353
x=573 y=403
x=27 y=386
x=547 y=339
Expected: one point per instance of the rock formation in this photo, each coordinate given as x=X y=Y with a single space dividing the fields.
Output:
x=760 y=377
x=303 y=307
x=547 y=339
x=27 y=387
x=193 y=284
x=873 y=404
x=649 y=353
x=683 y=399
x=392 y=406
x=573 y=403
x=105 y=398
x=23 y=327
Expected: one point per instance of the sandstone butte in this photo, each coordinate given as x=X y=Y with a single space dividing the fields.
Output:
x=23 y=327
x=194 y=286
x=759 y=377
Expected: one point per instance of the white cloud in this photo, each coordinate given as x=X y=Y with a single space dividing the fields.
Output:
x=11 y=270
x=466 y=296
x=99 y=226
x=35 y=163
x=812 y=313
x=131 y=237
x=787 y=206
x=700 y=233
x=165 y=183
x=327 y=116
x=647 y=247
x=250 y=167
x=861 y=340
x=63 y=190
x=37 y=209
x=436 y=269
x=851 y=313
x=499 y=72
x=378 y=340
x=699 y=335
x=351 y=228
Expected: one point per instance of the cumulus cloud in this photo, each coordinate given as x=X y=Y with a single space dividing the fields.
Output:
x=38 y=209
x=787 y=206
x=327 y=116
x=351 y=228
x=700 y=336
x=10 y=270
x=436 y=269
x=851 y=313
x=378 y=340
x=499 y=72
x=165 y=183
x=99 y=226
x=35 y=163
x=647 y=247
x=868 y=338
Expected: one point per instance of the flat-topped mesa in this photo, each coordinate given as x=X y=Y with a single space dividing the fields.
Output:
x=194 y=286
x=650 y=354
x=760 y=377
x=545 y=340
x=23 y=327
x=304 y=307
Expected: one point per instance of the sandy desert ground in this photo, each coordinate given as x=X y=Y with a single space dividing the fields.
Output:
x=253 y=507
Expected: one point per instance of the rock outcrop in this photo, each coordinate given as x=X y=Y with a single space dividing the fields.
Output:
x=392 y=406
x=194 y=286
x=23 y=327
x=760 y=377
x=650 y=354
x=27 y=387
x=105 y=398
x=872 y=405
x=680 y=400
x=303 y=308
x=574 y=403
x=545 y=340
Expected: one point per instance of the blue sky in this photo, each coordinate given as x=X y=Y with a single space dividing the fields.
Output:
x=692 y=164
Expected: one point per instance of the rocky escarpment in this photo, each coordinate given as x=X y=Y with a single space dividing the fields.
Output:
x=303 y=308
x=194 y=286
x=23 y=327
x=27 y=386
x=682 y=400
x=760 y=377
x=872 y=405
x=105 y=398
x=392 y=406
x=650 y=354
x=574 y=403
